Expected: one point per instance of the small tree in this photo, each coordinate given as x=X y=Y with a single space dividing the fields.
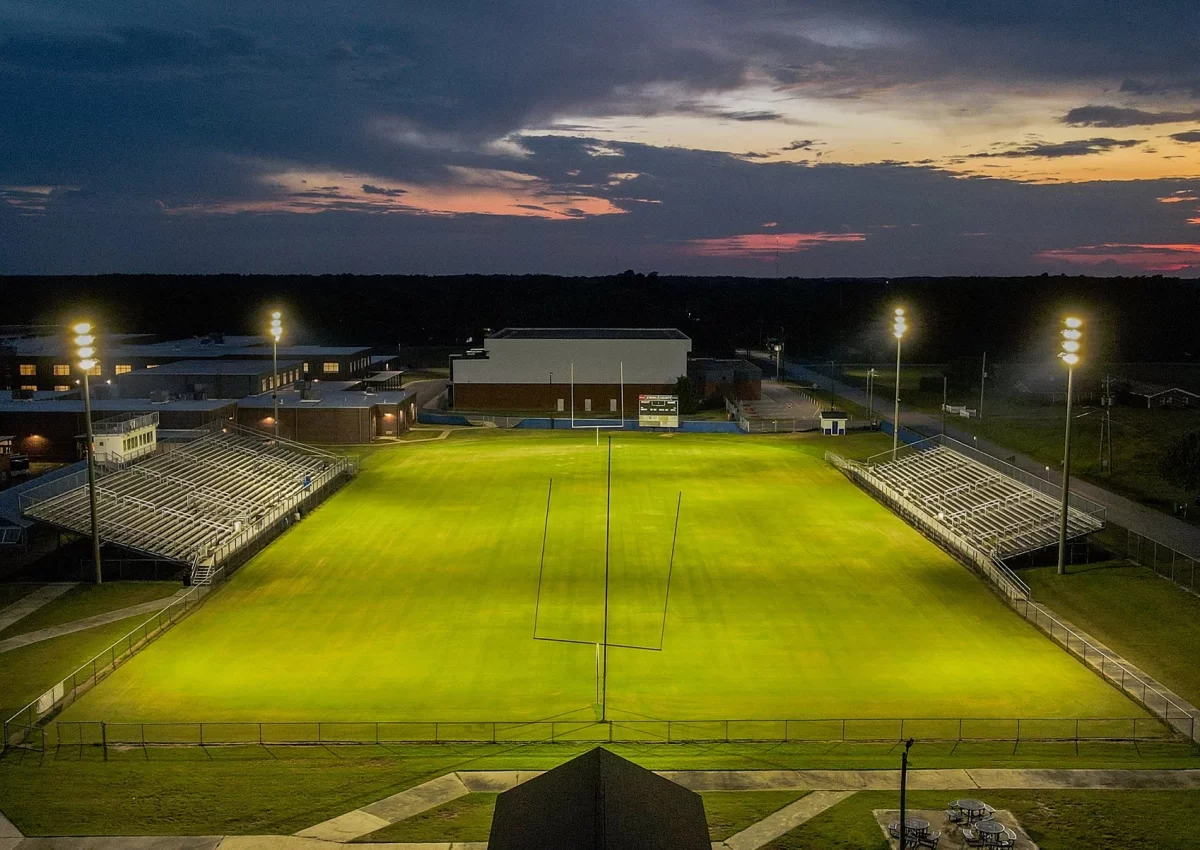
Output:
x=689 y=395
x=1181 y=463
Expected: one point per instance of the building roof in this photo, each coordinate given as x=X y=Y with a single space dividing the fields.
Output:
x=114 y=405
x=380 y=377
x=113 y=347
x=599 y=801
x=589 y=333
x=213 y=367
x=325 y=399
x=1152 y=390
x=834 y=414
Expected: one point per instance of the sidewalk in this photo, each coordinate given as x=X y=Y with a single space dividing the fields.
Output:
x=25 y=606
x=147 y=608
x=1118 y=509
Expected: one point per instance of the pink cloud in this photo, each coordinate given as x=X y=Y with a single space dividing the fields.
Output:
x=764 y=246
x=1135 y=257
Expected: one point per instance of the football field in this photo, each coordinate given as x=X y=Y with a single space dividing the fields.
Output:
x=412 y=594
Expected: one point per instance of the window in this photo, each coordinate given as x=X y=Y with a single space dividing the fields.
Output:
x=28 y=370
x=61 y=369
x=612 y=405
x=94 y=372
x=305 y=367
x=560 y=405
x=122 y=369
x=61 y=388
x=587 y=405
x=29 y=387
x=330 y=368
x=264 y=386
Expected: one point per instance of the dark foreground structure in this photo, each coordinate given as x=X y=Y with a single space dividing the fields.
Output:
x=602 y=801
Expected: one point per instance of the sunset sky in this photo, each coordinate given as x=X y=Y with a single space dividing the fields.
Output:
x=791 y=137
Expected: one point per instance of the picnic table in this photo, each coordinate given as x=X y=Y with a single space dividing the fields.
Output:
x=916 y=826
x=972 y=808
x=990 y=830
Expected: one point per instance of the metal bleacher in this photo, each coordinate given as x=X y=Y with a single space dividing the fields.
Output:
x=196 y=501
x=991 y=507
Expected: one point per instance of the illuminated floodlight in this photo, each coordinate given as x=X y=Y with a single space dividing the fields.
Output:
x=1074 y=323
x=82 y=328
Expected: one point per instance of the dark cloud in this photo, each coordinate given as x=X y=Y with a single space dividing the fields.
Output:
x=121 y=48
x=1116 y=116
x=1189 y=136
x=1055 y=150
x=1148 y=88
x=800 y=145
x=379 y=190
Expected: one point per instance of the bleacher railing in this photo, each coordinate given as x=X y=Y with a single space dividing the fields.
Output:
x=1004 y=579
x=1171 y=709
x=857 y=730
x=24 y=729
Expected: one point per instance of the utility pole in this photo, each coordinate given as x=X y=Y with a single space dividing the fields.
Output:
x=832 y=389
x=982 y=381
x=944 y=384
x=870 y=390
x=903 y=792
x=899 y=326
x=1106 y=428
x=1069 y=355
x=607 y=536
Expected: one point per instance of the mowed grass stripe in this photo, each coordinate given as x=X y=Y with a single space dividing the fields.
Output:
x=410 y=595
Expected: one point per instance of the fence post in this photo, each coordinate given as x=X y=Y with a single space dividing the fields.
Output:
x=103 y=738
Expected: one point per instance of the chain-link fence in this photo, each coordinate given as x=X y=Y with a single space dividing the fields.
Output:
x=1147 y=552
x=964 y=729
x=22 y=728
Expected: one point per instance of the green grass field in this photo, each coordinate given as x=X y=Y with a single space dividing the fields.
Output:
x=411 y=594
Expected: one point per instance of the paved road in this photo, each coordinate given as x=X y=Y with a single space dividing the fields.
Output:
x=1118 y=509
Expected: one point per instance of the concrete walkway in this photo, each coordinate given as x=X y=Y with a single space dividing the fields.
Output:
x=26 y=605
x=10 y=836
x=1124 y=512
x=827 y=788
x=784 y=820
x=146 y=608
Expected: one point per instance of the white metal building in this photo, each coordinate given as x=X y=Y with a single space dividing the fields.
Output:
x=534 y=368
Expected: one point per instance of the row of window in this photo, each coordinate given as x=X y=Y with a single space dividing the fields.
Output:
x=131 y=443
x=63 y=370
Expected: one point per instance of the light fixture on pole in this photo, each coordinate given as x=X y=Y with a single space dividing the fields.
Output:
x=778 y=348
x=276 y=333
x=1070 y=355
x=85 y=343
x=898 y=328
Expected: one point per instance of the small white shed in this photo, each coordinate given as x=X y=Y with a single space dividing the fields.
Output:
x=833 y=422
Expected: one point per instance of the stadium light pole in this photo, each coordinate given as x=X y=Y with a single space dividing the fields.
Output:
x=870 y=394
x=904 y=791
x=898 y=328
x=86 y=350
x=1070 y=355
x=276 y=333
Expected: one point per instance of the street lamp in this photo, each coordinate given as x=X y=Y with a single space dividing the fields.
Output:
x=276 y=333
x=85 y=343
x=1071 y=334
x=778 y=361
x=898 y=328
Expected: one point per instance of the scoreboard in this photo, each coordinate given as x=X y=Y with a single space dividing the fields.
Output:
x=658 y=411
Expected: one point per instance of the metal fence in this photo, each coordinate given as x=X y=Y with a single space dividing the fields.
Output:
x=23 y=727
x=1148 y=552
x=888 y=730
x=1169 y=708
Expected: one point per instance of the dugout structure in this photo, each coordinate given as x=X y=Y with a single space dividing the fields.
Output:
x=201 y=500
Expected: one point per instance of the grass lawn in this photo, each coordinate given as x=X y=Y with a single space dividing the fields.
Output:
x=243 y=790
x=30 y=671
x=1055 y=820
x=87 y=600
x=469 y=818
x=10 y=592
x=1144 y=617
x=793 y=595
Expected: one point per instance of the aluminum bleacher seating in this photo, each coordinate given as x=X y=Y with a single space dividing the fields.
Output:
x=198 y=501
x=996 y=512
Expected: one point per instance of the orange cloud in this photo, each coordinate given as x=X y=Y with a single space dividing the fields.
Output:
x=764 y=246
x=1135 y=257
x=470 y=191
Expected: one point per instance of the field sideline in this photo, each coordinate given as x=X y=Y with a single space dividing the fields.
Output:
x=410 y=595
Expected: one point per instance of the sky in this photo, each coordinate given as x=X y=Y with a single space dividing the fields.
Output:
x=753 y=137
